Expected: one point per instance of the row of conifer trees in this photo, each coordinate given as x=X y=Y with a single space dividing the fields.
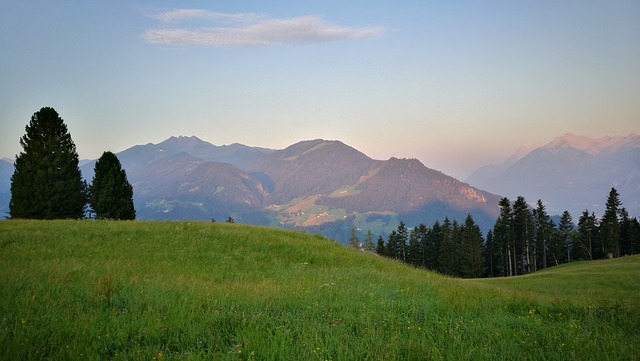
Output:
x=47 y=183
x=523 y=240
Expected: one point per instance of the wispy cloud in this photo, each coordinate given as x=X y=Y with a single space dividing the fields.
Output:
x=247 y=29
x=182 y=15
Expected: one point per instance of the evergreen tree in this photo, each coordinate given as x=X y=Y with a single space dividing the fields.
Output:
x=447 y=260
x=403 y=235
x=489 y=254
x=353 y=239
x=47 y=183
x=503 y=240
x=416 y=249
x=565 y=228
x=419 y=237
x=587 y=230
x=543 y=233
x=380 y=247
x=432 y=246
x=610 y=225
x=368 y=242
x=629 y=233
x=110 y=193
x=472 y=254
x=392 y=249
x=523 y=250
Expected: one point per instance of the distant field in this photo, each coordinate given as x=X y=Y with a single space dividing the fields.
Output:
x=78 y=290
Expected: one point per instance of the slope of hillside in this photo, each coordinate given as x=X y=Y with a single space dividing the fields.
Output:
x=571 y=173
x=79 y=290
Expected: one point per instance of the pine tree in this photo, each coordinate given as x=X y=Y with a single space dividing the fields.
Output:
x=523 y=237
x=432 y=246
x=448 y=257
x=544 y=227
x=610 y=225
x=565 y=228
x=403 y=235
x=503 y=238
x=489 y=253
x=472 y=254
x=380 y=247
x=587 y=230
x=110 y=193
x=417 y=240
x=353 y=239
x=368 y=242
x=47 y=183
x=392 y=248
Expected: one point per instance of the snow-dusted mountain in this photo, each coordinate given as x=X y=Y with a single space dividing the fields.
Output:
x=571 y=173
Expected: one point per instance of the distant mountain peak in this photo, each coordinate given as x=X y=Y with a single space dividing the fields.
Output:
x=591 y=145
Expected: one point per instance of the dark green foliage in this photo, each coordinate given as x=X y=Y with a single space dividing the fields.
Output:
x=545 y=229
x=368 y=242
x=111 y=194
x=47 y=183
x=610 y=225
x=587 y=231
x=448 y=257
x=353 y=239
x=565 y=229
x=380 y=248
x=472 y=253
x=523 y=240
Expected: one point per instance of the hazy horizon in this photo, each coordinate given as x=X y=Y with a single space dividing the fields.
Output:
x=457 y=85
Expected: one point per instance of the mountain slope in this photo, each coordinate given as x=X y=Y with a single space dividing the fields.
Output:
x=572 y=173
x=317 y=185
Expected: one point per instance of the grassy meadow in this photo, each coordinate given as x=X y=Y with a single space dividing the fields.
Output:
x=100 y=290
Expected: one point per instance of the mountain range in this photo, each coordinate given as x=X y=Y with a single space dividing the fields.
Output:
x=326 y=186
x=573 y=173
x=320 y=186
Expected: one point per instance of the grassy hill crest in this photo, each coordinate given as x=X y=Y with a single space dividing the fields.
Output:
x=196 y=290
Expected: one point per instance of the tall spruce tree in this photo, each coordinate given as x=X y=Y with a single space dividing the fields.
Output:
x=565 y=229
x=544 y=229
x=523 y=237
x=472 y=254
x=610 y=225
x=47 y=183
x=110 y=193
x=587 y=230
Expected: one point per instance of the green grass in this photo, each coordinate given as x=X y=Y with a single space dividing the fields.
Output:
x=177 y=290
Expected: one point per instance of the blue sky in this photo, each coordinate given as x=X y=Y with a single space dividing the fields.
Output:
x=455 y=84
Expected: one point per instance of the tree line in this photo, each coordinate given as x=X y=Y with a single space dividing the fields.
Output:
x=523 y=240
x=47 y=183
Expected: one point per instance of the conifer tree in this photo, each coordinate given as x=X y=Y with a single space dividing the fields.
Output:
x=448 y=257
x=522 y=242
x=587 y=230
x=380 y=247
x=565 y=229
x=432 y=246
x=47 y=183
x=610 y=225
x=368 y=242
x=353 y=239
x=110 y=193
x=502 y=238
x=472 y=254
x=544 y=230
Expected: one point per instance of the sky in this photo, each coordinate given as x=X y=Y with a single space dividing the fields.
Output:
x=455 y=84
